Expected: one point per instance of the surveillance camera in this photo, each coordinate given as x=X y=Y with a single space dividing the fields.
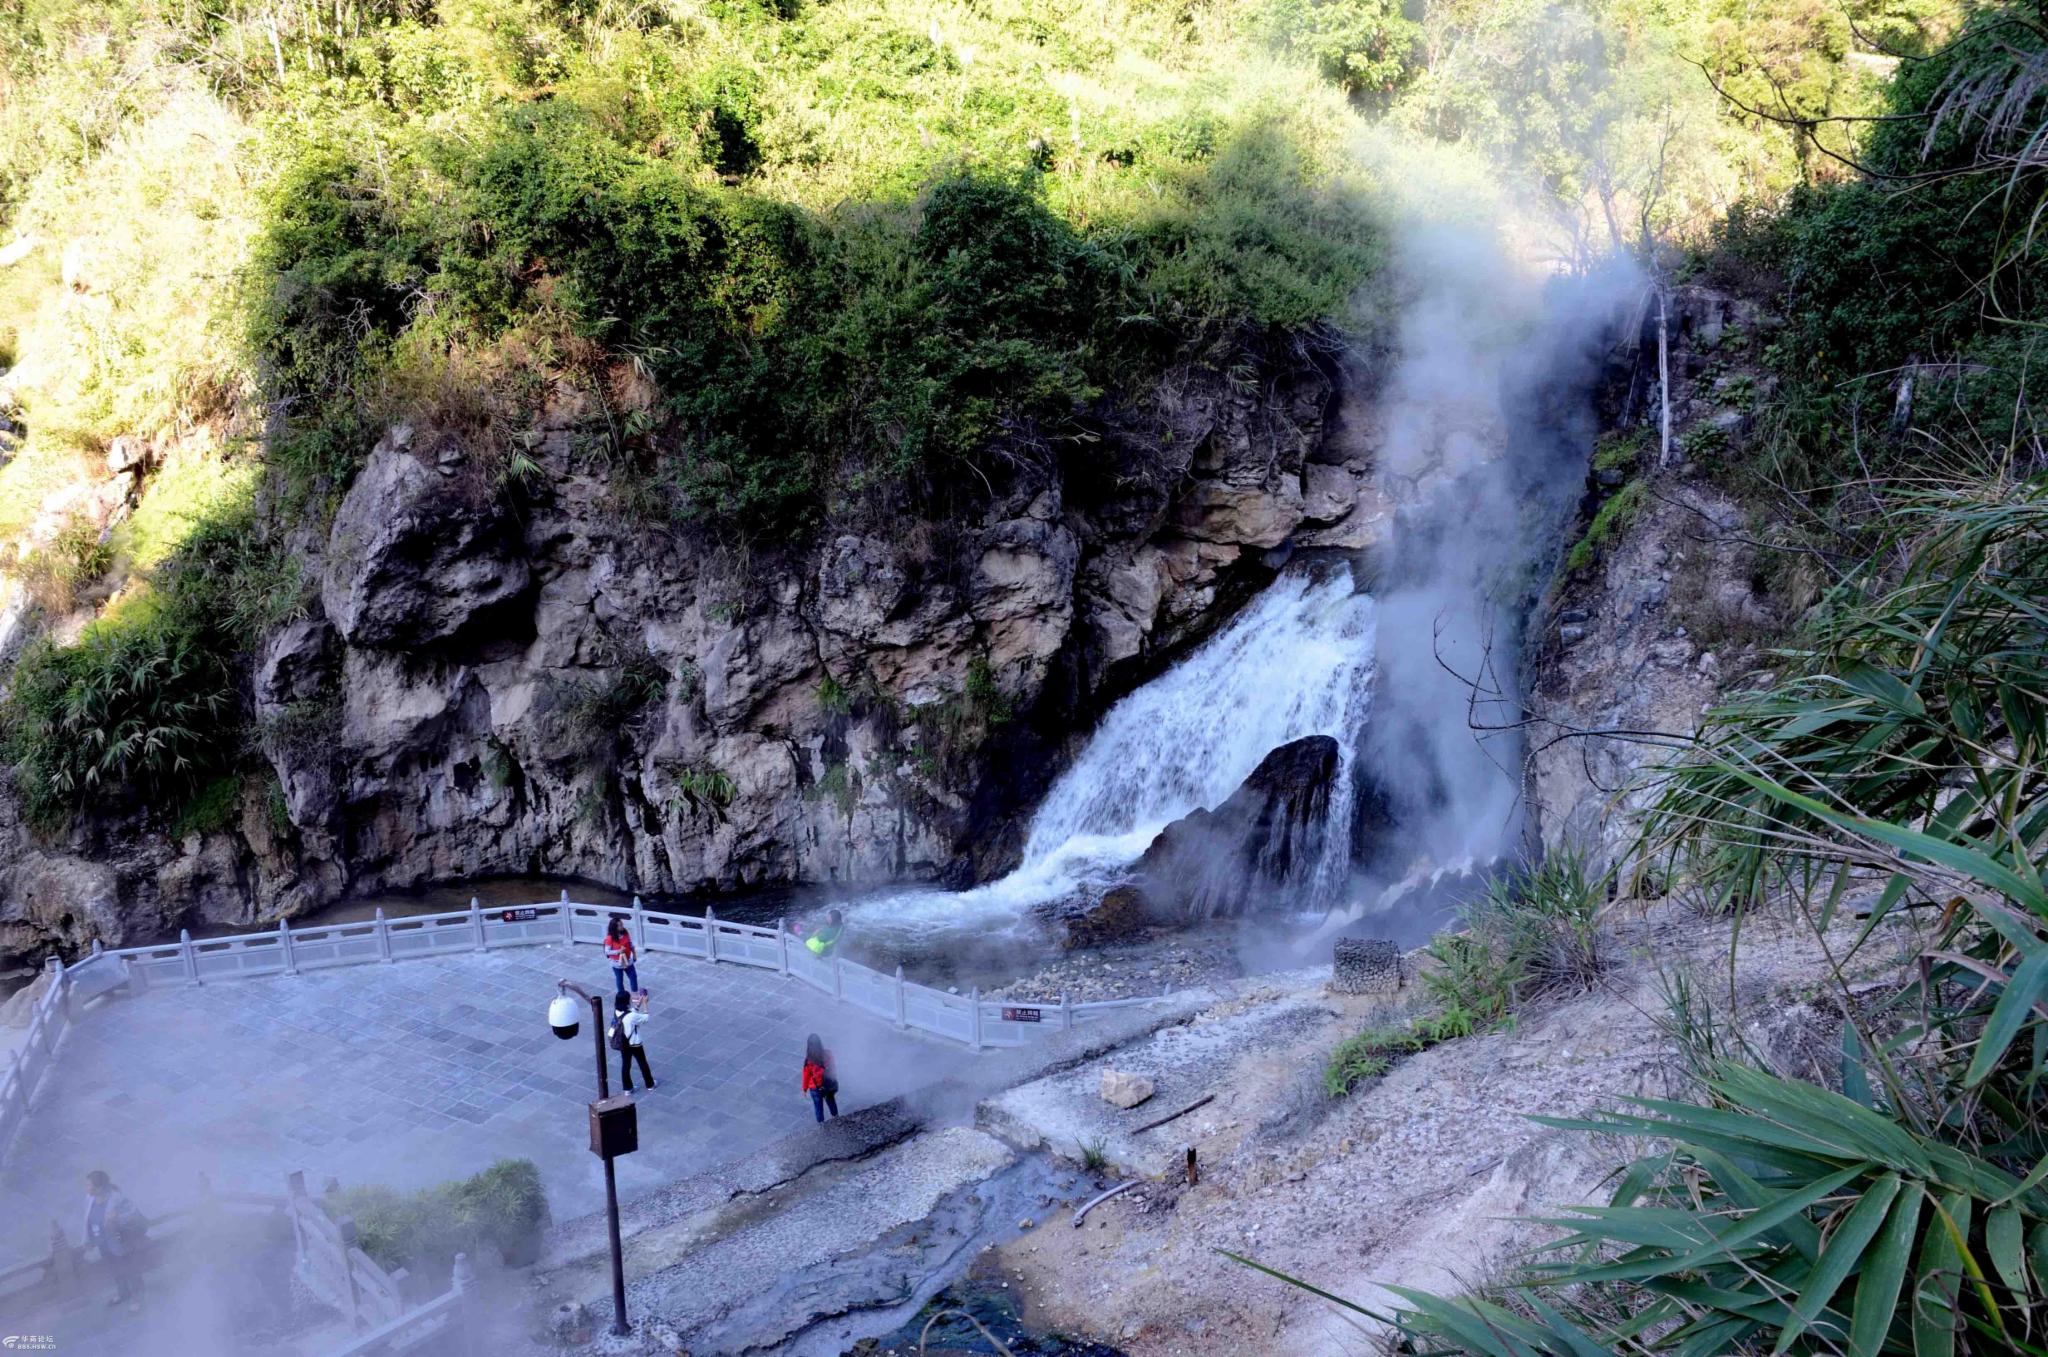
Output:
x=562 y=1016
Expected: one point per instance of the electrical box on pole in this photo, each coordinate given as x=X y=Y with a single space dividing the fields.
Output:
x=614 y=1127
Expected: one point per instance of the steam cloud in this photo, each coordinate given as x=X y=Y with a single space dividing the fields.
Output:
x=1481 y=429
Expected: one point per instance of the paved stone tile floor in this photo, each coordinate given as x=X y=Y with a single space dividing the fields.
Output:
x=422 y=1070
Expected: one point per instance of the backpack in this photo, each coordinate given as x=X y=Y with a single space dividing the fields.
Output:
x=618 y=1036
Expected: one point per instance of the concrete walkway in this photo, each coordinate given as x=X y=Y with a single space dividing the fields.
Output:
x=424 y=1070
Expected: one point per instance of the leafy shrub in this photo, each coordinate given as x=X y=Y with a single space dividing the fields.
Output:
x=302 y=732
x=1473 y=979
x=140 y=709
x=834 y=698
x=700 y=786
x=1620 y=449
x=211 y=810
x=503 y=1208
x=1705 y=443
x=77 y=556
x=1534 y=932
x=277 y=807
x=1366 y=1055
x=1366 y=47
x=596 y=710
x=985 y=700
x=840 y=785
x=1546 y=920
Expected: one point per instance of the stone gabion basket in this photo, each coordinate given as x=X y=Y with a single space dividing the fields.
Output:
x=1365 y=966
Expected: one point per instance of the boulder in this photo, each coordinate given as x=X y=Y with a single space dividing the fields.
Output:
x=1120 y=1088
x=1346 y=512
x=127 y=454
x=1123 y=597
x=1118 y=916
x=68 y=900
x=208 y=882
x=411 y=561
x=1257 y=848
x=860 y=586
x=391 y=709
x=571 y=1322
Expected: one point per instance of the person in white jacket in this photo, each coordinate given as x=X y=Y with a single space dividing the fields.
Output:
x=116 y=1229
x=627 y=1023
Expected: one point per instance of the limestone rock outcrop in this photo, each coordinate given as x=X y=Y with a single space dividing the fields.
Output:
x=409 y=563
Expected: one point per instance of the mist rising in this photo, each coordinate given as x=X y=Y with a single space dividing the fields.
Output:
x=1481 y=423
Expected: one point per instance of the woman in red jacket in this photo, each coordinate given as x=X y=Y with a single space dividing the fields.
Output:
x=819 y=1080
x=618 y=949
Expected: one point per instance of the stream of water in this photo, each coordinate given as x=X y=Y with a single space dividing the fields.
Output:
x=1297 y=661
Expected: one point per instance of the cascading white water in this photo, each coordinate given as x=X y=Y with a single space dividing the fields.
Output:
x=1297 y=661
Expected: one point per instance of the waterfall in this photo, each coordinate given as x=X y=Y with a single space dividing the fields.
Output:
x=1297 y=661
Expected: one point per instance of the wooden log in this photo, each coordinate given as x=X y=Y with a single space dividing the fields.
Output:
x=1202 y=1101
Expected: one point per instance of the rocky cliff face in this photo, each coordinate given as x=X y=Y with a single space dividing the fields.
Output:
x=1683 y=599
x=539 y=683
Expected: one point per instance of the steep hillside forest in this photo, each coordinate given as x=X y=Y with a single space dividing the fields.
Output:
x=739 y=289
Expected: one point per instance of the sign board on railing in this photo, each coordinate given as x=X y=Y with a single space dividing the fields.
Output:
x=1023 y=1015
x=518 y=916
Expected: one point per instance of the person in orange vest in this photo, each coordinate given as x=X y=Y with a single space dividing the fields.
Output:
x=819 y=1080
x=618 y=949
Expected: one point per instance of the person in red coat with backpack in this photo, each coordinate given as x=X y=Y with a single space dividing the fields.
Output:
x=819 y=1080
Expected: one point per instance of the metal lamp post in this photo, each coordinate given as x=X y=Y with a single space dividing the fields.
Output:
x=614 y=1127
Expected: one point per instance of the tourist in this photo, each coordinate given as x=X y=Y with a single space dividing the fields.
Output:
x=825 y=936
x=819 y=1080
x=627 y=1022
x=117 y=1230
x=618 y=949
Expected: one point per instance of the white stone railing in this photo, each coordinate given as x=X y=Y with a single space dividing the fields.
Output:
x=967 y=1019
x=443 y=1327
x=52 y=1015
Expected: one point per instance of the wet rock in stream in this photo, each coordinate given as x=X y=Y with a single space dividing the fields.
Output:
x=953 y=1317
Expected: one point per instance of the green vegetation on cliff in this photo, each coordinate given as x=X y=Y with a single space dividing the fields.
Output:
x=852 y=246
x=776 y=262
